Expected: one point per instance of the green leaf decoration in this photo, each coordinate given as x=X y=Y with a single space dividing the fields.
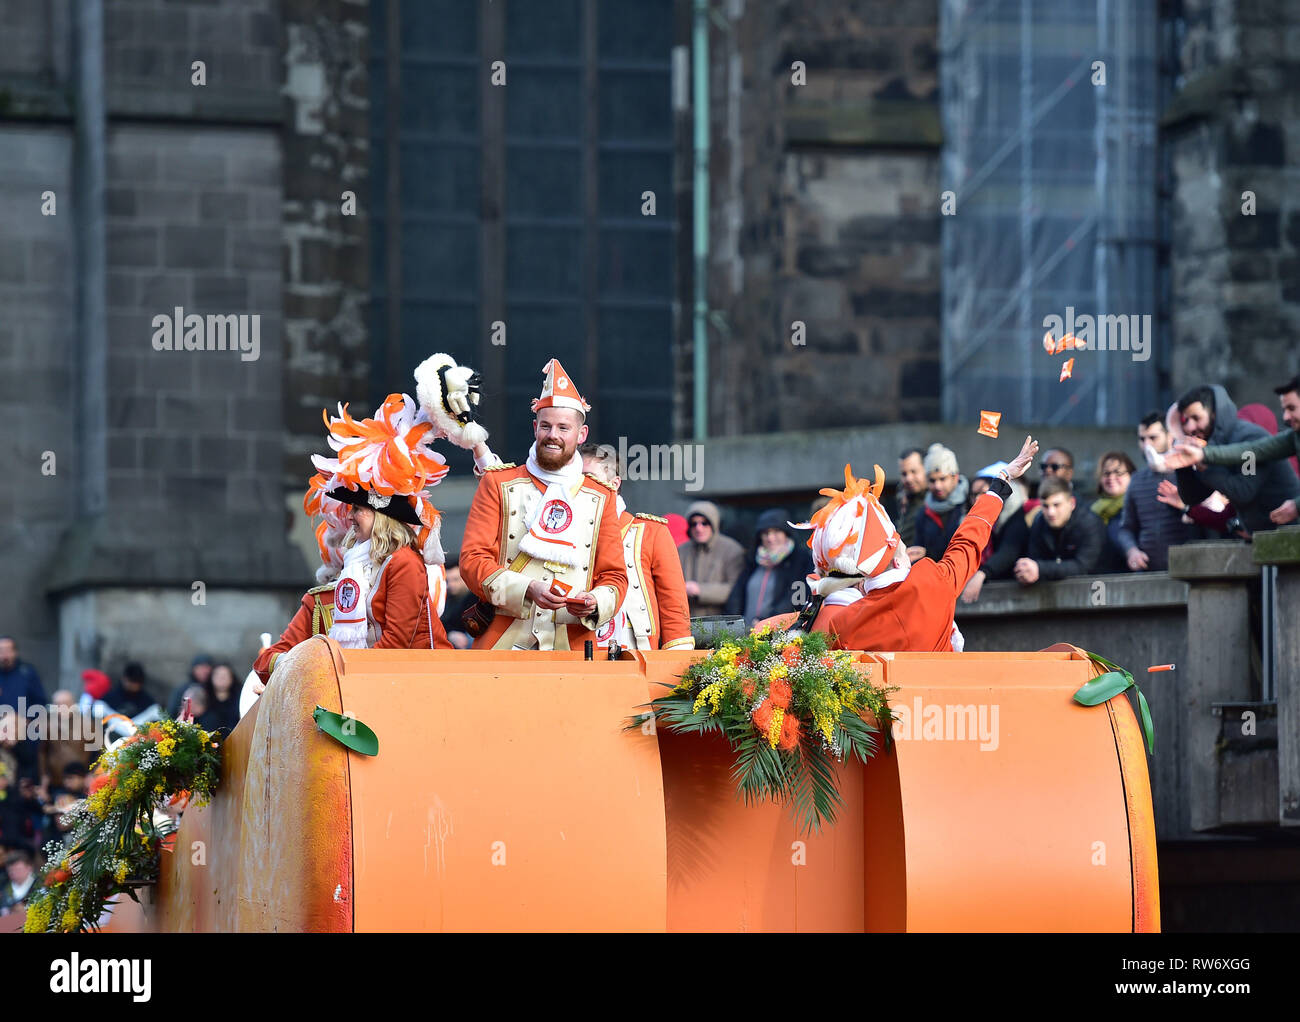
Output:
x=347 y=731
x=1115 y=681
x=1103 y=687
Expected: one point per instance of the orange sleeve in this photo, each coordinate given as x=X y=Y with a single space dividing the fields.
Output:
x=482 y=541
x=405 y=606
x=298 y=630
x=608 y=566
x=670 y=587
x=962 y=558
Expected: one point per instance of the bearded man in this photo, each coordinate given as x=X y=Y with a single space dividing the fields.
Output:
x=543 y=551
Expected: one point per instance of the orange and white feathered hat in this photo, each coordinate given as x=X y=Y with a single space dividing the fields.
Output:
x=853 y=535
x=385 y=463
x=559 y=391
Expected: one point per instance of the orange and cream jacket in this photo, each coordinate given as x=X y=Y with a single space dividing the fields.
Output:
x=655 y=613
x=496 y=571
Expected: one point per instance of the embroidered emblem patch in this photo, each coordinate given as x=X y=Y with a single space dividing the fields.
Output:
x=556 y=516
x=346 y=595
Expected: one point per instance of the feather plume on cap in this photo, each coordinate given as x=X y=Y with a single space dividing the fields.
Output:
x=386 y=463
x=853 y=534
x=449 y=396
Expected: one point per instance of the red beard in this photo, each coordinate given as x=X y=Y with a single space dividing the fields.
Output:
x=551 y=461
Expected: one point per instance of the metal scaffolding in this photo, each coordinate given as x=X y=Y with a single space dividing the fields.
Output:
x=1049 y=117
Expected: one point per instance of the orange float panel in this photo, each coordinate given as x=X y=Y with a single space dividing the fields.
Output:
x=508 y=796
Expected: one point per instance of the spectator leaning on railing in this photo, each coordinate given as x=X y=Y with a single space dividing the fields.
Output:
x=1064 y=541
x=911 y=493
x=945 y=504
x=1209 y=415
x=1149 y=527
x=1114 y=472
x=1266 y=450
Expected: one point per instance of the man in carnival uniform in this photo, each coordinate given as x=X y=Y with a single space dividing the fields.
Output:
x=655 y=614
x=866 y=593
x=542 y=546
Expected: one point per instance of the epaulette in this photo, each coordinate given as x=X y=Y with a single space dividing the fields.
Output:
x=328 y=587
x=503 y=465
x=602 y=482
x=653 y=518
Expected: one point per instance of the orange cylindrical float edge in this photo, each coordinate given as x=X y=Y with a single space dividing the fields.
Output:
x=506 y=796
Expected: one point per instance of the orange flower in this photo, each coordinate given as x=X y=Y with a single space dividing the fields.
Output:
x=779 y=692
x=747 y=688
x=763 y=716
x=100 y=781
x=789 y=732
x=57 y=876
x=828 y=662
x=743 y=660
x=156 y=735
x=790 y=655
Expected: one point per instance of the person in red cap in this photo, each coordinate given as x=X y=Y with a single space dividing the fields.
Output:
x=542 y=548
x=867 y=594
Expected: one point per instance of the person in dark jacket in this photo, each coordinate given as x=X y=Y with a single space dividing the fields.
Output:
x=1010 y=535
x=1148 y=526
x=129 y=697
x=200 y=674
x=911 y=493
x=1065 y=540
x=945 y=504
x=18 y=679
x=1210 y=415
x=1114 y=473
x=775 y=577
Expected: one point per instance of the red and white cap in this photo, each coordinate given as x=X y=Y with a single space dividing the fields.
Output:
x=853 y=534
x=559 y=391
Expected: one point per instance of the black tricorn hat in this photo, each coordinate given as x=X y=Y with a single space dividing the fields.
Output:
x=396 y=507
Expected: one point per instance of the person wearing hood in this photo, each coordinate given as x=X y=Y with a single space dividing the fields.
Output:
x=1010 y=536
x=711 y=562
x=1210 y=416
x=945 y=504
x=776 y=572
x=1279 y=447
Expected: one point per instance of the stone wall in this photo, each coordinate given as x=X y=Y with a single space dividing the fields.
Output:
x=824 y=210
x=326 y=252
x=37 y=347
x=1234 y=127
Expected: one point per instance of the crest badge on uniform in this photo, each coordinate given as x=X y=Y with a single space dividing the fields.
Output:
x=345 y=595
x=555 y=517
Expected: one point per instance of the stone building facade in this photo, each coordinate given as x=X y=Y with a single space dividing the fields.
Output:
x=1233 y=127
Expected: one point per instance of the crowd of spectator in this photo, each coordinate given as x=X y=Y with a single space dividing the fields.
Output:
x=1125 y=519
x=46 y=754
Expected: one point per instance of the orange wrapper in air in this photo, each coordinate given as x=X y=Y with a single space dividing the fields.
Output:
x=989 y=424
x=1160 y=667
x=1067 y=370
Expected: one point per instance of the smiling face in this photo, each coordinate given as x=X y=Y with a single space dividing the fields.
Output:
x=363 y=521
x=1198 y=421
x=912 y=473
x=1114 y=478
x=558 y=432
x=773 y=539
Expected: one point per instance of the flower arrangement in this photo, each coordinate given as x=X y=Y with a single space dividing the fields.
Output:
x=115 y=841
x=790 y=707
